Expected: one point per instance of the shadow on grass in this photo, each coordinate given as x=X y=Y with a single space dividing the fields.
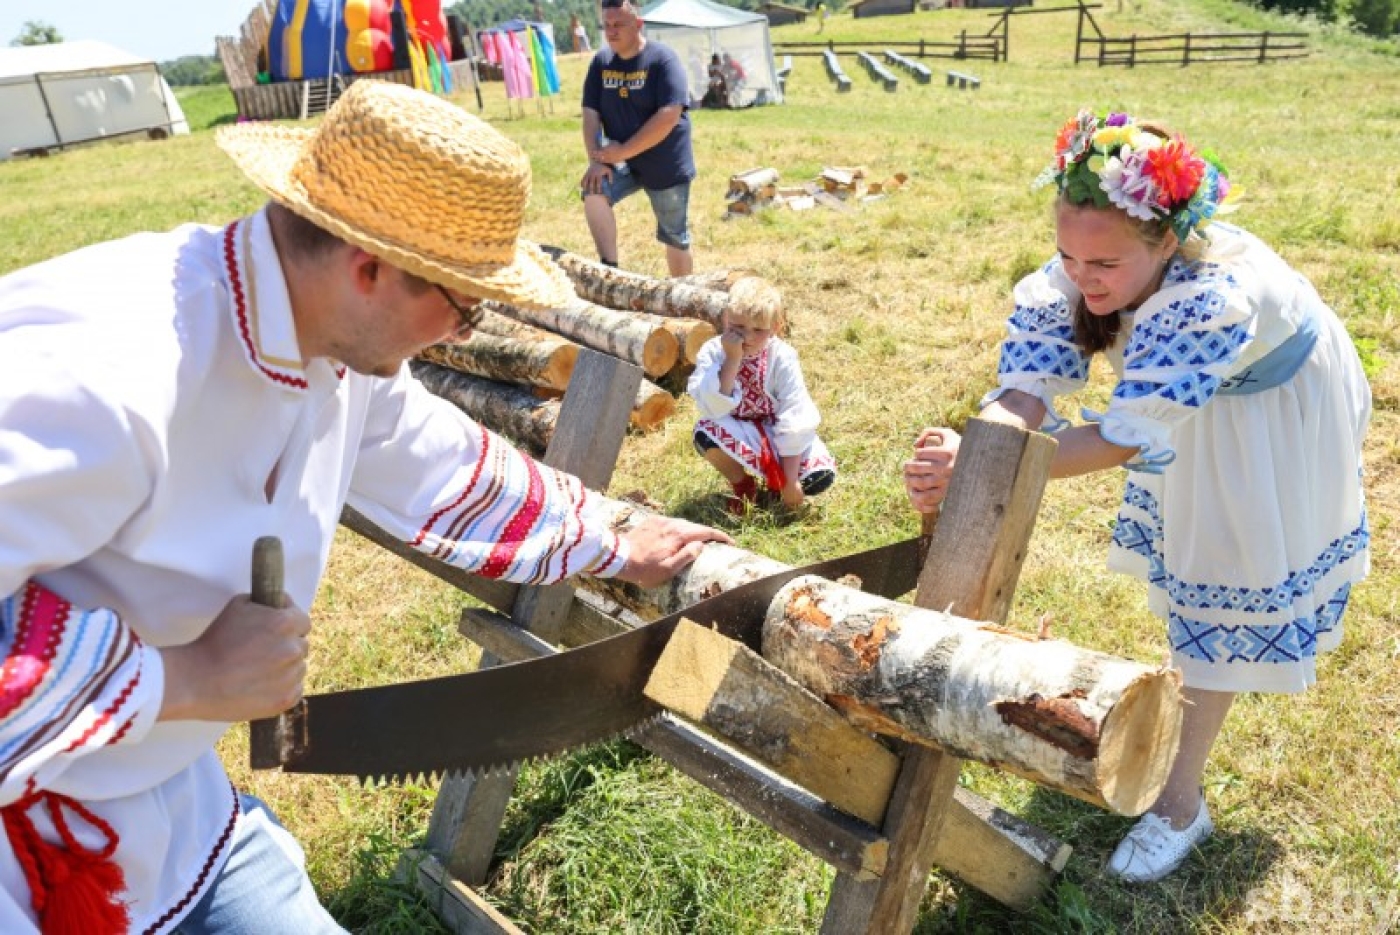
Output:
x=545 y=790
x=1211 y=890
x=712 y=509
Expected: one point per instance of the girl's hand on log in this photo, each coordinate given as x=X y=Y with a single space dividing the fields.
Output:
x=659 y=547
x=594 y=176
x=249 y=663
x=926 y=475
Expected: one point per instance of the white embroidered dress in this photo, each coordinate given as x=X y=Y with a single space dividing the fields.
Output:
x=769 y=409
x=148 y=389
x=1244 y=511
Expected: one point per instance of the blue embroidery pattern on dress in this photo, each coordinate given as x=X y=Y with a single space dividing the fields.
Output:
x=1051 y=320
x=1028 y=356
x=1190 y=348
x=1263 y=642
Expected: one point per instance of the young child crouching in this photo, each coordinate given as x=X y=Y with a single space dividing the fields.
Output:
x=757 y=421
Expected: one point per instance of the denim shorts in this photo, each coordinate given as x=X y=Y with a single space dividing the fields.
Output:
x=670 y=205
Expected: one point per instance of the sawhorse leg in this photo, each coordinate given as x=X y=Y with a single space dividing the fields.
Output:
x=975 y=557
x=588 y=436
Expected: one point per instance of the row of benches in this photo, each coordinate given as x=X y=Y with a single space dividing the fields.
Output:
x=879 y=72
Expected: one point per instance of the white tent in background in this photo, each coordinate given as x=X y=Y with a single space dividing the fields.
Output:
x=697 y=29
x=75 y=92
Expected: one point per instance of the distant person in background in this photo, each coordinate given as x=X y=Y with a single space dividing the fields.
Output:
x=734 y=79
x=757 y=421
x=636 y=132
x=580 y=34
x=821 y=17
x=717 y=93
x=1239 y=411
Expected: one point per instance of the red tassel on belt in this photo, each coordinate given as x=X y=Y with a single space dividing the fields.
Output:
x=768 y=461
x=74 y=891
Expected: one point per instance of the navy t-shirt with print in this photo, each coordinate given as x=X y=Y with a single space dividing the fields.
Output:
x=626 y=92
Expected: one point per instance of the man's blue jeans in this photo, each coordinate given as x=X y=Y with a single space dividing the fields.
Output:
x=263 y=888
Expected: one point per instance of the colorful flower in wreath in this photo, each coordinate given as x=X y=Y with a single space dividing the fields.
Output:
x=1177 y=170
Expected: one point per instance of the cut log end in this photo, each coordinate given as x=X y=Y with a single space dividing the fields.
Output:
x=654 y=406
x=1138 y=742
x=660 y=353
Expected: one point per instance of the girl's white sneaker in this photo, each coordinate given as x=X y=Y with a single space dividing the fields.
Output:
x=1153 y=849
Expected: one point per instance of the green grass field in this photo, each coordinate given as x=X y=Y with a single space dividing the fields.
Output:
x=896 y=309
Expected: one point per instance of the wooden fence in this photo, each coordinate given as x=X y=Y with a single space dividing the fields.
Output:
x=1182 y=49
x=988 y=48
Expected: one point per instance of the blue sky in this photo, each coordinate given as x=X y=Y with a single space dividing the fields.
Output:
x=156 y=29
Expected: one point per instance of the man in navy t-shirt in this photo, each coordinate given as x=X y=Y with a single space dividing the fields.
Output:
x=637 y=135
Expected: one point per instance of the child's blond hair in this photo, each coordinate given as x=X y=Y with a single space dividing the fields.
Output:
x=754 y=301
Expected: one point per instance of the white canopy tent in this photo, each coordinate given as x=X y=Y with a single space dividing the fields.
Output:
x=697 y=29
x=73 y=92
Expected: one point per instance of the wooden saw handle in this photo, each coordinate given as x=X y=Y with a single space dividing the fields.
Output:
x=271 y=741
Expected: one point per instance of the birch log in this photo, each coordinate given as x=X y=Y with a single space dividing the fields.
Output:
x=676 y=298
x=1086 y=723
x=632 y=336
x=1095 y=726
x=508 y=410
x=507 y=327
x=691 y=335
x=546 y=363
x=753 y=182
x=653 y=406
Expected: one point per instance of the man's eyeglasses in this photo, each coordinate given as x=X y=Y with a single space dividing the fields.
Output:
x=470 y=315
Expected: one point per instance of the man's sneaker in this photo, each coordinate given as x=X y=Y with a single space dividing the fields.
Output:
x=1152 y=850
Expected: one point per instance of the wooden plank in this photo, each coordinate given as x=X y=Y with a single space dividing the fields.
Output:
x=985 y=526
x=999 y=853
x=851 y=846
x=458 y=906
x=847 y=844
x=975 y=557
x=727 y=688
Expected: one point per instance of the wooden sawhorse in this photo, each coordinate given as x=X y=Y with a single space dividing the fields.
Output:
x=901 y=813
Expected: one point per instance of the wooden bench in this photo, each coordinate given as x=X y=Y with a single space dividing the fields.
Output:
x=834 y=72
x=783 y=73
x=963 y=81
x=919 y=70
x=877 y=71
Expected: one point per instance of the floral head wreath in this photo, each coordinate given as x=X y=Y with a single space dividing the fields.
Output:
x=1114 y=160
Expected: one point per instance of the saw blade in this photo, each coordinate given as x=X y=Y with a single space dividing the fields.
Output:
x=496 y=718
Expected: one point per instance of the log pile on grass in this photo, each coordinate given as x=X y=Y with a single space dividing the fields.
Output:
x=510 y=372
x=835 y=187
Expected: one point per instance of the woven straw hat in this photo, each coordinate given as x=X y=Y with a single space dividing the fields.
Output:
x=414 y=180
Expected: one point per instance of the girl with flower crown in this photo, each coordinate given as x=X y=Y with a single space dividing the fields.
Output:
x=1239 y=413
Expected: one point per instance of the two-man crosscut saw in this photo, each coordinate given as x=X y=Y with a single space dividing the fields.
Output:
x=501 y=716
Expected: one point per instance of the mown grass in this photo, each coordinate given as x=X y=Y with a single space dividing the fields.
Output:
x=896 y=309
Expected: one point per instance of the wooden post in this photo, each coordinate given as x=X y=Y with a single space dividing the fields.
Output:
x=975 y=558
x=1186 y=51
x=467 y=815
x=1263 y=47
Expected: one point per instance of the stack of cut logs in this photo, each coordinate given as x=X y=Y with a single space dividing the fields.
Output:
x=834 y=188
x=512 y=371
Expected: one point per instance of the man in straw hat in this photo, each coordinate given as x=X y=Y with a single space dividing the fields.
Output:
x=166 y=399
